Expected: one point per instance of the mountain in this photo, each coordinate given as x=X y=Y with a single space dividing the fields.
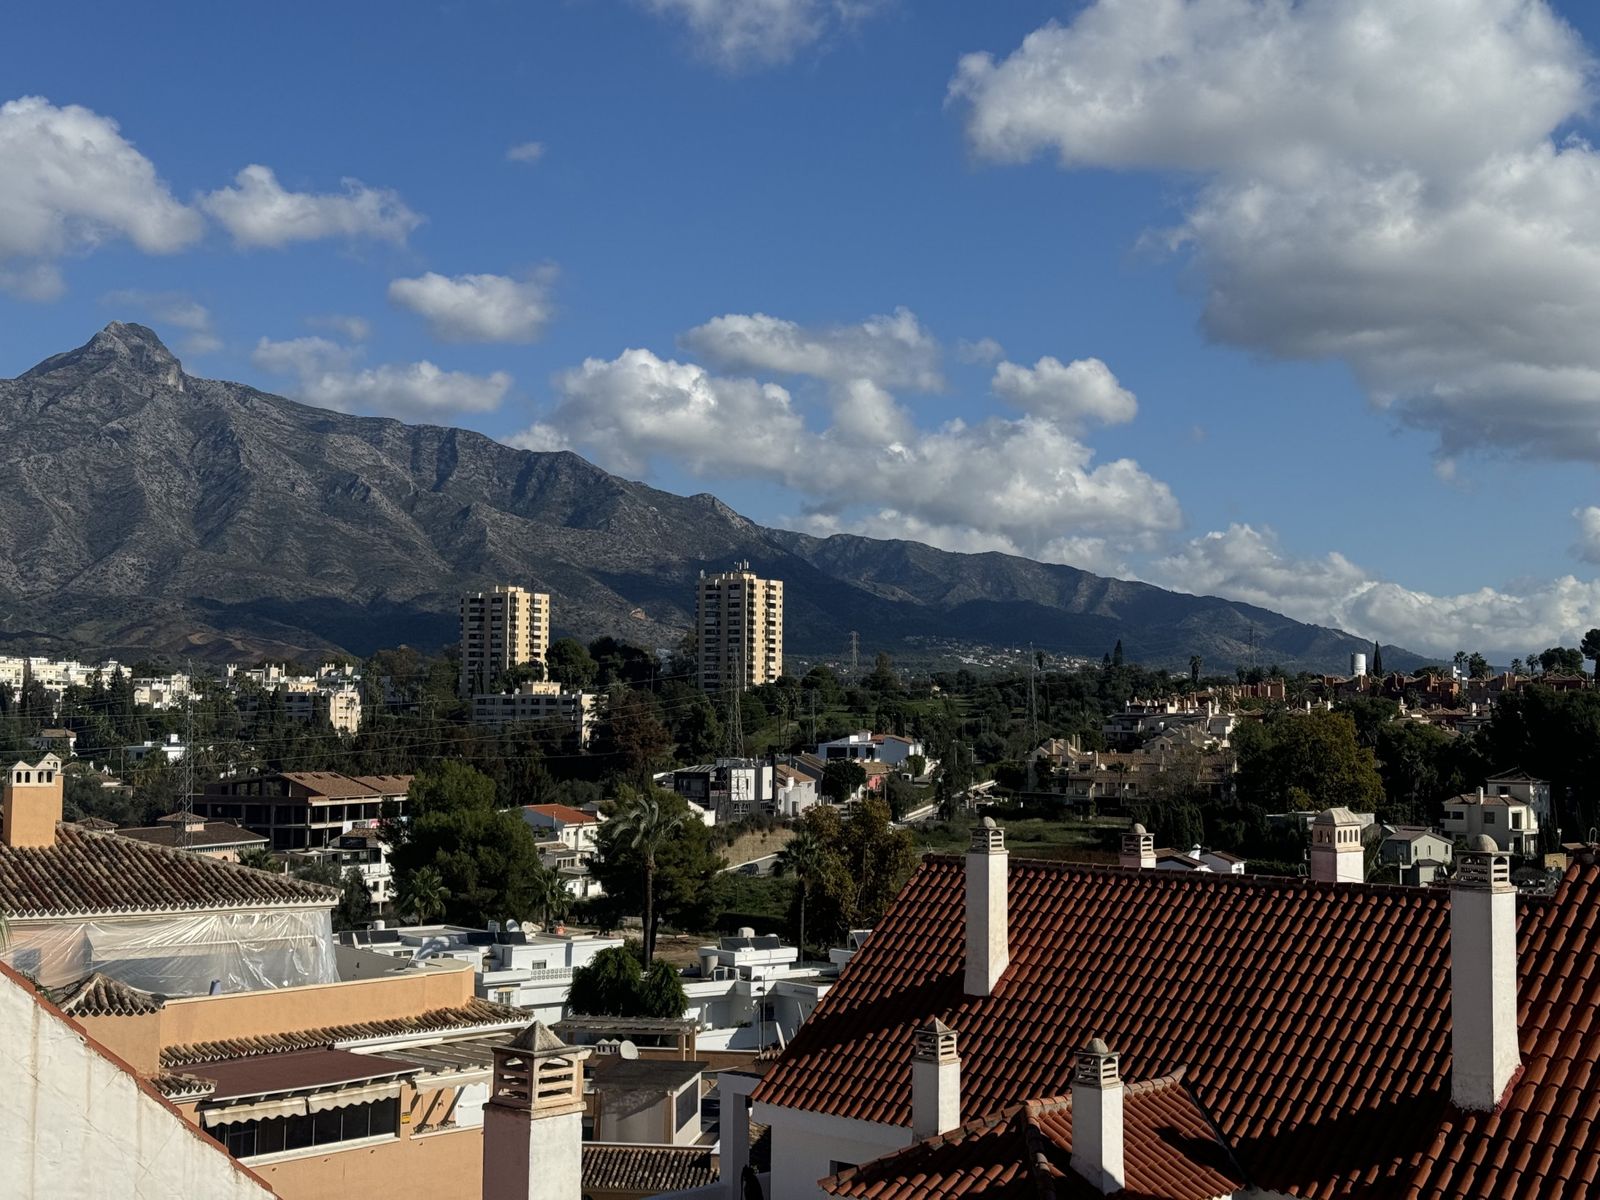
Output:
x=146 y=510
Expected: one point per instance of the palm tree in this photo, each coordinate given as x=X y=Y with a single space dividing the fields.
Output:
x=550 y=897
x=424 y=894
x=805 y=857
x=643 y=825
x=258 y=857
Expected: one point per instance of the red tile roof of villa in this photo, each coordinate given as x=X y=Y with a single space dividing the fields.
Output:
x=566 y=814
x=1171 y=1152
x=476 y=1013
x=1313 y=1021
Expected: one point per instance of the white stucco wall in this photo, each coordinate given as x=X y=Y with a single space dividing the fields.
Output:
x=806 y=1145
x=74 y=1123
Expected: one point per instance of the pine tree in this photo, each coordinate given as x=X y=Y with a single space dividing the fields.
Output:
x=1377 y=659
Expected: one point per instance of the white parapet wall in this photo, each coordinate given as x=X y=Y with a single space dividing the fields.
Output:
x=74 y=1121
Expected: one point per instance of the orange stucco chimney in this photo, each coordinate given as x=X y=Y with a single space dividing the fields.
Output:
x=32 y=803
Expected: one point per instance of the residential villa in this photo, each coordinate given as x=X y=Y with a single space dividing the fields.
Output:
x=1511 y=821
x=1016 y=1027
x=186 y=831
x=301 y=810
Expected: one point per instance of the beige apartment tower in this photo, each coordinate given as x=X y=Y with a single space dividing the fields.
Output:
x=739 y=624
x=500 y=629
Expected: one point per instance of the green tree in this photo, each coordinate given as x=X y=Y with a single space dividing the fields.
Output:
x=866 y=861
x=612 y=984
x=259 y=858
x=1561 y=660
x=317 y=870
x=1195 y=663
x=1307 y=760
x=644 y=823
x=1116 y=654
x=1590 y=648
x=354 y=910
x=607 y=985
x=634 y=734
x=423 y=895
x=570 y=665
x=486 y=859
x=1477 y=666
x=661 y=992
x=841 y=778
x=1377 y=659
x=806 y=858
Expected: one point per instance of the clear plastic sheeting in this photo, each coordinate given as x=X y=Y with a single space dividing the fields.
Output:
x=181 y=954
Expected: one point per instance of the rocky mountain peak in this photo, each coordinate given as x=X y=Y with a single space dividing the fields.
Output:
x=121 y=345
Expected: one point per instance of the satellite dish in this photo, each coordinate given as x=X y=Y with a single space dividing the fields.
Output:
x=627 y=1050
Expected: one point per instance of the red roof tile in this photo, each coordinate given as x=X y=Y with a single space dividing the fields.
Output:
x=566 y=814
x=93 y=873
x=1312 y=1017
x=475 y=1013
x=1171 y=1151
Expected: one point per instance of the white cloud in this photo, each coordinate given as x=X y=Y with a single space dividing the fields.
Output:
x=328 y=375
x=892 y=350
x=1376 y=182
x=175 y=309
x=633 y=409
x=355 y=329
x=525 y=152
x=740 y=35
x=1026 y=484
x=69 y=181
x=1072 y=394
x=258 y=211
x=477 y=308
x=1587 y=546
x=984 y=350
x=1248 y=564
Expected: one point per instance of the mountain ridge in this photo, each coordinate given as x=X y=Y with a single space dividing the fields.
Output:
x=155 y=511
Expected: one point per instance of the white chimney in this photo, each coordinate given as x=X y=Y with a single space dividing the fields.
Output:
x=935 y=1080
x=1483 y=976
x=533 y=1121
x=1097 y=1118
x=1138 y=849
x=1337 y=855
x=988 y=931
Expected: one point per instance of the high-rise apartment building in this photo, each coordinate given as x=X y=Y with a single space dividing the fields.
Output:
x=739 y=627
x=500 y=629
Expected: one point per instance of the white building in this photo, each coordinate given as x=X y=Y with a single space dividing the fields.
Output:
x=172 y=750
x=866 y=746
x=531 y=971
x=539 y=701
x=1512 y=823
x=574 y=828
x=752 y=992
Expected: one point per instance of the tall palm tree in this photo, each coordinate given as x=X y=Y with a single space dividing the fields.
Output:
x=806 y=858
x=550 y=897
x=424 y=894
x=643 y=825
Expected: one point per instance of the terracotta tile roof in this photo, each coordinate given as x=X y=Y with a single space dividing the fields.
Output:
x=207 y=836
x=97 y=824
x=563 y=813
x=93 y=873
x=181 y=1087
x=1171 y=1152
x=649 y=1169
x=1296 y=1006
x=475 y=1013
x=102 y=996
x=335 y=786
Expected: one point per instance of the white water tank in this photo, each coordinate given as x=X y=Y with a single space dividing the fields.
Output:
x=1358 y=665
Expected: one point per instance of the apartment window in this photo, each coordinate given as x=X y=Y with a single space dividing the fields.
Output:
x=1488 y=818
x=274 y=1135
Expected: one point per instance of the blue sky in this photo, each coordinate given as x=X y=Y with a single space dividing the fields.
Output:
x=1293 y=303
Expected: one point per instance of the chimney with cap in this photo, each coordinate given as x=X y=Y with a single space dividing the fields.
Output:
x=1483 y=976
x=1337 y=855
x=1097 y=1118
x=988 y=930
x=533 y=1121
x=30 y=806
x=1138 y=849
x=935 y=1080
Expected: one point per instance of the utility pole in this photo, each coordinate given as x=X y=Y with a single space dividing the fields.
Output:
x=186 y=775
